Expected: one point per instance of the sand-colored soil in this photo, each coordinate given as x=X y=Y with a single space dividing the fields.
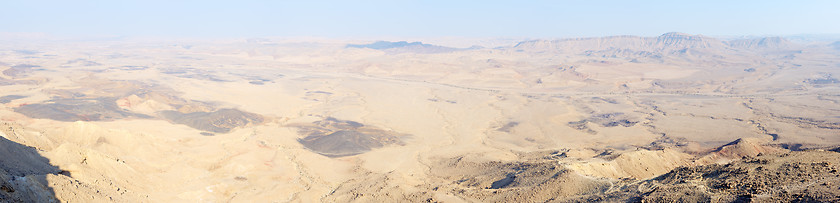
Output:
x=591 y=119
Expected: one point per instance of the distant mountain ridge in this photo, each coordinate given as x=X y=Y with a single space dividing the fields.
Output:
x=380 y=45
x=404 y=47
x=668 y=42
x=835 y=45
x=651 y=48
x=762 y=43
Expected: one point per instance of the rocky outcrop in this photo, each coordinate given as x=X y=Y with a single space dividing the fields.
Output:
x=807 y=176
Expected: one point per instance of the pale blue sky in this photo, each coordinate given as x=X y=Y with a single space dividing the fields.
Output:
x=249 y=18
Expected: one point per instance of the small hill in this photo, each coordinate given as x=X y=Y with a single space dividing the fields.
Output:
x=640 y=164
x=737 y=149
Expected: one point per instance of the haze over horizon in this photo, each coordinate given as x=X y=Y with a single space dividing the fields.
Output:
x=419 y=101
x=372 y=19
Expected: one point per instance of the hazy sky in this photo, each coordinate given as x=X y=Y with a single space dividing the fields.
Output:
x=242 y=18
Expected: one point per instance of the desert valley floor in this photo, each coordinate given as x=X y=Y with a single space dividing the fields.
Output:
x=623 y=118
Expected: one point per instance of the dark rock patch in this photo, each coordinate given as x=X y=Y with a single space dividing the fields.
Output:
x=606 y=100
x=27 y=52
x=809 y=122
x=342 y=143
x=193 y=73
x=82 y=62
x=665 y=142
x=504 y=182
x=605 y=120
x=319 y=92
x=130 y=68
x=822 y=81
x=791 y=146
x=506 y=128
x=96 y=109
x=825 y=79
x=336 y=138
x=581 y=125
x=10 y=98
x=19 y=70
x=343 y=124
x=612 y=120
x=220 y=121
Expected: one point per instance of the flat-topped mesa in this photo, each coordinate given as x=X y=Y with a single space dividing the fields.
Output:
x=404 y=47
x=379 y=45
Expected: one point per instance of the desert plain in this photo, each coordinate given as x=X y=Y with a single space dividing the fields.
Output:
x=675 y=117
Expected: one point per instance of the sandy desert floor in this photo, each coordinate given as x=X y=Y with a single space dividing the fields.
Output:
x=590 y=119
